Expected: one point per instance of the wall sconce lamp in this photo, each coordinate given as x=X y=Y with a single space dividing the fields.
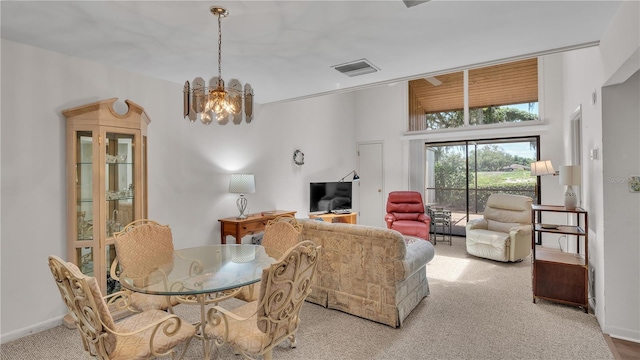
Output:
x=355 y=176
x=242 y=184
x=569 y=176
x=541 y=168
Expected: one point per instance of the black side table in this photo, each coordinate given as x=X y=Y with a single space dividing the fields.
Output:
x=440 y=222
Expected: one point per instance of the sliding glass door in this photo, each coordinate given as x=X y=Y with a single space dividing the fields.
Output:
x=461 y=175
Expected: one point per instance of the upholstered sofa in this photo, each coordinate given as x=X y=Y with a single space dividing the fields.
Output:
x=375 y=273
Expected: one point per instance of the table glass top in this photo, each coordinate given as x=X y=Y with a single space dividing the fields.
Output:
x=204 y=269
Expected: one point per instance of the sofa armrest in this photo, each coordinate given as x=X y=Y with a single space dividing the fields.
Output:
x=425 y=219
x=520 y=230
x=477 y=224
x=520 y=237
x=419 y=253
x=389 y=219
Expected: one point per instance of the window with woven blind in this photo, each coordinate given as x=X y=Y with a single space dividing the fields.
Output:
x=504 y=93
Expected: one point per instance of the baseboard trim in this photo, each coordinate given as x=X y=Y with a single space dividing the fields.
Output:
x=622 y=334
x=35 y=328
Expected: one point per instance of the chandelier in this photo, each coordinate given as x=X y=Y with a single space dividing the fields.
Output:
x=217 y=102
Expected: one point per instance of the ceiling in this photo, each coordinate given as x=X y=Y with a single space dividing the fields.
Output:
x=286 y=49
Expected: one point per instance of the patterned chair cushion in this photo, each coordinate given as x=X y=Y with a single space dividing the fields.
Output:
x=101 y=305
x=144 y=248
x=137 y=347
x=244 y=334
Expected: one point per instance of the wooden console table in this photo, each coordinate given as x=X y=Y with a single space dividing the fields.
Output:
x=254 y=223
x=350 y=218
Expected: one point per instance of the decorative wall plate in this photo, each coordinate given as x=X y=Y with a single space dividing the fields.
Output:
x=298 y=157
x=634 y=184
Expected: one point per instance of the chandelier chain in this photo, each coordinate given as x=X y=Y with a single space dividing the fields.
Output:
x=219 y=48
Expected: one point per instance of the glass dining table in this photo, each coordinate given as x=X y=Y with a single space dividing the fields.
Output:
x=203 y=275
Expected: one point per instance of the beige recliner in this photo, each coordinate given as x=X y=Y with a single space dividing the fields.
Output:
x=504 y=234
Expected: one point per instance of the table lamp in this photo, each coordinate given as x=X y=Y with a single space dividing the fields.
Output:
x=242 y=184
x=570 y=175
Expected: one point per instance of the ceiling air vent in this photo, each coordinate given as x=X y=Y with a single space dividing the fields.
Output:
x=355 y=68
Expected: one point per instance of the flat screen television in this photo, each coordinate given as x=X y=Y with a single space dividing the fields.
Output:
x=330 y=196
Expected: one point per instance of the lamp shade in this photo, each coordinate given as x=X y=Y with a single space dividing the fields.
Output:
x=542 y=167
x=570 y=175
x=242 y=184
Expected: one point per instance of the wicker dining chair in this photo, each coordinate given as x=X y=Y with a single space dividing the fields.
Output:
x=142 y=247
x=144 y=335
x=256 y=327
x=281 y=234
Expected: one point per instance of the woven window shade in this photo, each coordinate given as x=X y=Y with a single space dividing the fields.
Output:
x=504 y=84
x=447 y=96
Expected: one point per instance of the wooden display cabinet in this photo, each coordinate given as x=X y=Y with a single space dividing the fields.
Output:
x=106 y=182
x=561 y=276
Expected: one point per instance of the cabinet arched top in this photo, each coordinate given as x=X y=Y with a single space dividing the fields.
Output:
x=104 y=109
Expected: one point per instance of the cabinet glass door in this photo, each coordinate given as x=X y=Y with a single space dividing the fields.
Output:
x=119 y=179
x=84 y=201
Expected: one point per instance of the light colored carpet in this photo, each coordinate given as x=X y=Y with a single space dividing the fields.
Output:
x=478 y=309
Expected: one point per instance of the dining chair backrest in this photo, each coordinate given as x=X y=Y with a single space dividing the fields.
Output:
x=256 y=327
x=144 y=246
x=283 y=288
x=282 y=233
x=86 y=306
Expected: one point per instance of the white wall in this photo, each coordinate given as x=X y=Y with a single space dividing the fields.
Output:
x=619 y=44
x=554 y=140
x=621 y=159
x=189 y=165
x=381 y=116
x=582 y=76
x=611 y=125
x=620 y=54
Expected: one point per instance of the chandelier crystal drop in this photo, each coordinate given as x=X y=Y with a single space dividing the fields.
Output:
x=218 y=102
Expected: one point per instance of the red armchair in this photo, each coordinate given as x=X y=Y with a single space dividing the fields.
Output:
x=405 y=214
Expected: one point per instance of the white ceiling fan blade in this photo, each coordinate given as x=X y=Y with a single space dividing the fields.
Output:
x=411 y=3
x=433 y=81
